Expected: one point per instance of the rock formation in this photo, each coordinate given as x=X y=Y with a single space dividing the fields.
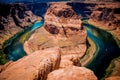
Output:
x=42 y=65
x=116 y=68
x=62 y=28
x=14 y=18
x=113 y=70
x=72 y=73
x=107 y=16
x=68 y=60
x=35 y=66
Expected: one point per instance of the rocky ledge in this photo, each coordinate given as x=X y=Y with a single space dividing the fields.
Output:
x=33 y=67
x=107 y=16
x=62 y=28
x=42 y=65
x=72 y=73
x=14 y=18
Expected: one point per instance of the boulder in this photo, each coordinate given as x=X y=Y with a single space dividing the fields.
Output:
x=70 y=60
x=35 y=66
x=72 y=73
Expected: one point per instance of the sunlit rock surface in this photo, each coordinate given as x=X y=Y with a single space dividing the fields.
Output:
x=62 y=28
x=69 y=60
x=35 y=66
x=72 y=73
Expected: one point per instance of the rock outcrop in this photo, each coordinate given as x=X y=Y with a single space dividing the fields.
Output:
x=113 y=70
x=14 y=18
x=115 y=67
x=62 y=28
x=35 y=66
x=44 y=65
x=107 y=16
x=69 y=60
x=72 y=73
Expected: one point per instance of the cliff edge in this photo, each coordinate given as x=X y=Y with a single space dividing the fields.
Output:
x=107 y=16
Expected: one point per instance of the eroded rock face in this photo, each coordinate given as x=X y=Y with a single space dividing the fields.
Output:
x=62 y=28
x=107 y=16
x=52 y=29
x=116 y=68
x=62 y=15
x=113 y=70
x=69 y=60
x=35 y=66
x=67 y=22
x=14 y=18
x=72 y=73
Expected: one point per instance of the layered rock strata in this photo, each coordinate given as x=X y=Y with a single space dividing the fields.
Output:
x=62 y=28
x=107 y=16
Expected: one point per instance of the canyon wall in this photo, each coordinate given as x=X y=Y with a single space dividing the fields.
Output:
x=62 y=28
x=14 y=18
x=107 y=16
x=59 y=44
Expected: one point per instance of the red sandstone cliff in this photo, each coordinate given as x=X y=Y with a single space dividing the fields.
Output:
x=107 y=16
x=62 y=28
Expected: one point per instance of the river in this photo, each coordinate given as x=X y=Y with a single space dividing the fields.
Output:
x=106 y=50
x=14 y=48
x=106 y=47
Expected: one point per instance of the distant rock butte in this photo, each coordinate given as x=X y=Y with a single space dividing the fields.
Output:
x=72 y=73
x=62 y=28
x=35 y=66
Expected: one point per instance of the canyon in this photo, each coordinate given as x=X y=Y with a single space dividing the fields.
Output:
x=107 y=17
x=56 y=48
x=14 y=18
